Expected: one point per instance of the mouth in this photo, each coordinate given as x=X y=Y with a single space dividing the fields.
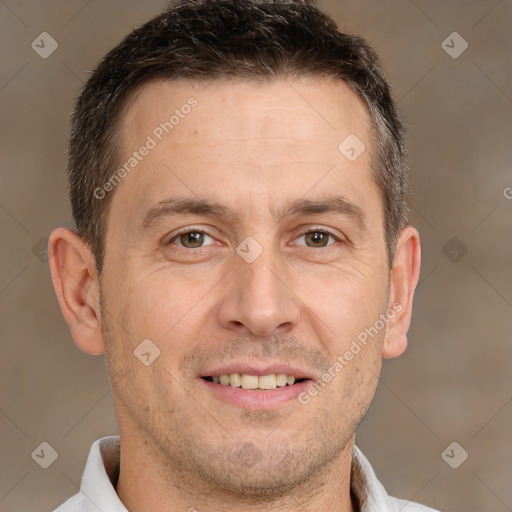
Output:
x=253 y=382
x=251 y=388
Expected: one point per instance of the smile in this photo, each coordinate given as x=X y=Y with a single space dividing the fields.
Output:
x=255 y=382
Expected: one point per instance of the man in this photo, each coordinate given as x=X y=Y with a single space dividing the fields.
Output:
x=239 y=185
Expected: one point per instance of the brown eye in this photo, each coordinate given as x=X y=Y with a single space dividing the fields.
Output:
x=317 y=238
x=190 y=239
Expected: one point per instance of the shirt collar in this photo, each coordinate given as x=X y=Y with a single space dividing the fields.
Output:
x=364 y=484
x=100 y=477
x=102 y=470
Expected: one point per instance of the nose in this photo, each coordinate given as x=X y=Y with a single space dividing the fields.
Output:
x=257 y=300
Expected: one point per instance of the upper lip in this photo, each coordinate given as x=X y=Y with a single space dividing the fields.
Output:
x=254 y=369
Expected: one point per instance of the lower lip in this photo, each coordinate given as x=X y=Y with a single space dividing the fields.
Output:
x=257 y=400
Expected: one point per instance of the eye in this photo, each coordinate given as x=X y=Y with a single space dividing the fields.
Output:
x=193 y=239
x=317 y=238
x=196 y=238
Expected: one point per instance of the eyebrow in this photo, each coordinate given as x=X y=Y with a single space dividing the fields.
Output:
x=174 y=206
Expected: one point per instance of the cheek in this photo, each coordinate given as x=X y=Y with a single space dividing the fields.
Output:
x=343 y=304
x=167 y=308
x=355 y=381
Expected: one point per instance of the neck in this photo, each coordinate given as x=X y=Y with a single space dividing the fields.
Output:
x=149 y=481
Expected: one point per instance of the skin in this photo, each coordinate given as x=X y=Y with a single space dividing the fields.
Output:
x=254 y=148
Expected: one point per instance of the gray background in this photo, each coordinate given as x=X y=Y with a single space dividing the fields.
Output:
x=453 y=383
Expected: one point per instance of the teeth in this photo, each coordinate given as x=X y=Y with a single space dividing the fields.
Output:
x=254 y=381
x=235 y=380
x=281 y=379
x=249 y=381
x=267 y=381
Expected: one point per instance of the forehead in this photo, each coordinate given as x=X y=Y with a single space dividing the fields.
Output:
x=319 y=111
x=278 y=139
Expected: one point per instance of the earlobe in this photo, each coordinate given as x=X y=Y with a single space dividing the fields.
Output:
x=77 y=288
x=404 y=279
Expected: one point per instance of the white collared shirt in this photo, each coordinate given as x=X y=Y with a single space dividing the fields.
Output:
x=97 y=492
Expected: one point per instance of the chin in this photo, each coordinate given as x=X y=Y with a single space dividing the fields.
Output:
x=248 y=473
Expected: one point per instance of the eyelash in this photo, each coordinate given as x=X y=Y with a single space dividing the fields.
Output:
x=309 y=230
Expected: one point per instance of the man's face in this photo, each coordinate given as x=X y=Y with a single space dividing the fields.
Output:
x=290 y=299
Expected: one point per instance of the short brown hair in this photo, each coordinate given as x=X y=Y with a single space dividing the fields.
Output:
x=207 y=40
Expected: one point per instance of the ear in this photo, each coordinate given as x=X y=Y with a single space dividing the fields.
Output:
x=76 y=284
x=404 y=278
